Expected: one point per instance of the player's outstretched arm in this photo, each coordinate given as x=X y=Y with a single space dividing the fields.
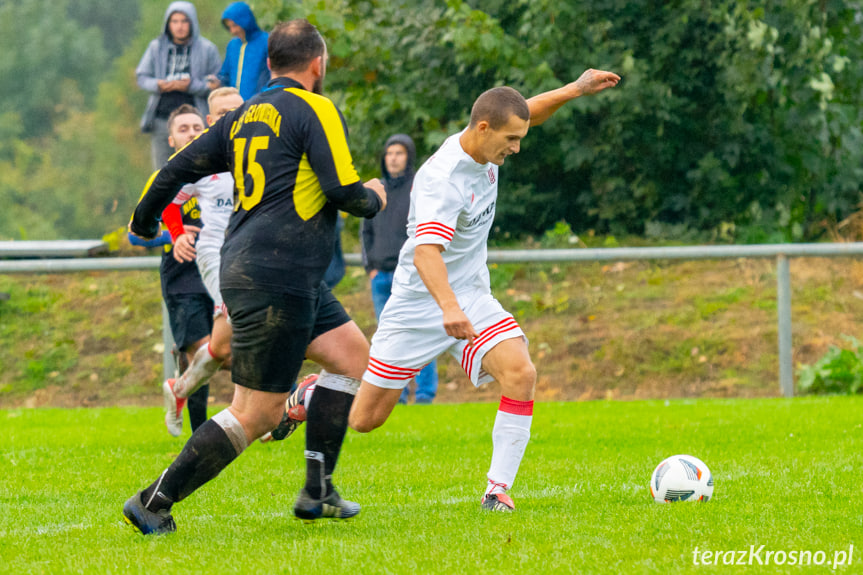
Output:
x=543 y=106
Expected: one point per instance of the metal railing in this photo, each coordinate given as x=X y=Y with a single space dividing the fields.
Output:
x=52 y=248
x=781 y=252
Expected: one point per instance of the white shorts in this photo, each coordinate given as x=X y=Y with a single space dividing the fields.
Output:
x=411 y=334
x=208 y=265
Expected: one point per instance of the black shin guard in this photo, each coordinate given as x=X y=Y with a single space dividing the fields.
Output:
x=204 y=456
x=326 y=425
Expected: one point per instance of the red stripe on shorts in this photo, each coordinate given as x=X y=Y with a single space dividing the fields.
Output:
x=470 y=351
x=485 y=336
x=392 y=372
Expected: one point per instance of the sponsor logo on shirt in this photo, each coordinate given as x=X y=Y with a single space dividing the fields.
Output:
x=483 y=217
x=491 y=175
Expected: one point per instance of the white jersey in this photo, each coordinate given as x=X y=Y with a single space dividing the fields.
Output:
x=452 y=205
x=216 y=199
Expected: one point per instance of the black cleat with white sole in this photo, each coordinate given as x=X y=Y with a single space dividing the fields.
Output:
x=332 y=506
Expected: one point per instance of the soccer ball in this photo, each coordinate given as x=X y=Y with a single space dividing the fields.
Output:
x=681 y=478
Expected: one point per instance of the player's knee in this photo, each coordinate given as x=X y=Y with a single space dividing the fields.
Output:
x=522 y=377
x=529 y=375
x=221 y=350
x=359 y=356
x=259 y=421
x=363 y=422
x=359 y=423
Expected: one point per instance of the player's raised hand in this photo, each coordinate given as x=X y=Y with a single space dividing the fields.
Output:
x=593 y=81
x=378 y=188
x=184 y=247
x=457 y=325
x=543 y=106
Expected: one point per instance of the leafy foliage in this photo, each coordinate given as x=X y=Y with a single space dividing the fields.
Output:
x=839 y=371
x=733 y=113
x=741 y=121
x=72 y=160
x=42 y=52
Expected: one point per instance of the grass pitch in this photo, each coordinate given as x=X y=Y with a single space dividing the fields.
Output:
x=787 y=475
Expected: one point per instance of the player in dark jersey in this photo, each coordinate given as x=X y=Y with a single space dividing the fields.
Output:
x=189 y=313
x=186 y=299
x=287 y=148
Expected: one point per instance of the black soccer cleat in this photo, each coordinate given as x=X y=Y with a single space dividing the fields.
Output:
x=332 y=506
x=146 y=521
x=295 y=411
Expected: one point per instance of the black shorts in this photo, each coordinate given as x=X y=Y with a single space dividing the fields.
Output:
x=190 y=316
x=272 y=332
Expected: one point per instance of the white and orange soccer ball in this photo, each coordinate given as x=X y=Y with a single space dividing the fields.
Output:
x=681 y=478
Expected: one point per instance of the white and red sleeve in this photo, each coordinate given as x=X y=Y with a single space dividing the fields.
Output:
x=437 y=210
x=185 y=193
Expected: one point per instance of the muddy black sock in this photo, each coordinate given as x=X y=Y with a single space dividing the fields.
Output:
x=210 y=449
x=197 y=406
x=326 y=425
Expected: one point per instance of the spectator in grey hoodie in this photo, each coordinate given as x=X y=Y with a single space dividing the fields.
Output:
x=383 y=236
x=174 y=70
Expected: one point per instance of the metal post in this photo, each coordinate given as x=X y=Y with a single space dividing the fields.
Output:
x=168 y=370
x=783 y=310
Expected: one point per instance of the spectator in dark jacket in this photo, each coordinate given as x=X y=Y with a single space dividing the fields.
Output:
x=383 y=236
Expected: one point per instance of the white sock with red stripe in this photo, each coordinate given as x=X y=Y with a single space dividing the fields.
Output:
x=203 y=365
x=510 y=436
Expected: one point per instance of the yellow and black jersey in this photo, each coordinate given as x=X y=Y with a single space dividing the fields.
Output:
x=288 y=150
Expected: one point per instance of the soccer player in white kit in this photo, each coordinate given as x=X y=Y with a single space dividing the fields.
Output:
x=441 y=298
x=215 y=197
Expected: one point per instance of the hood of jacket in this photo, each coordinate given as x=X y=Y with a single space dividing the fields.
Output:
x=408 y=143
x=188 y=9
x=242 y=15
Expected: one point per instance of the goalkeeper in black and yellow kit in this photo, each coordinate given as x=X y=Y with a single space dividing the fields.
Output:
x=288 y=151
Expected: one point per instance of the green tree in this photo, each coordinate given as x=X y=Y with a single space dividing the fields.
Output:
x=728 y=112
x=115 y=19
x=41 y=49
x=730 y=115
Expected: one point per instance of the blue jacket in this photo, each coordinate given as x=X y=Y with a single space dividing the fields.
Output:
x=245 y=65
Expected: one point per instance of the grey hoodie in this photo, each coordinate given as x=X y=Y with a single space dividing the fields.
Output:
x=204 y=60
x=384 y=234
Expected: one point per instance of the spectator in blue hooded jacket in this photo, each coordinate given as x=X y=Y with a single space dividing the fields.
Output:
x=245 y=64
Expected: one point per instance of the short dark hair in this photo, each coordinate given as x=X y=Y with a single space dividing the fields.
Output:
x=495 y=106
x=293 y=44
x=184 y=109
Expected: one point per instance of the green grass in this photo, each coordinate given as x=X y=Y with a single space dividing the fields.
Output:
x=787 y=475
